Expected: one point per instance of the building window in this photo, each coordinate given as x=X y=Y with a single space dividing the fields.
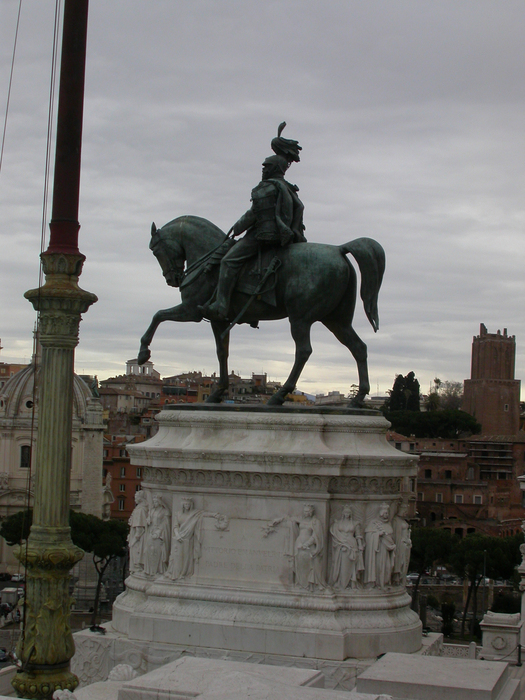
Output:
x=470 y=473
x=506 y=407
x=421 y=496
x=105 y=454
x=428 y=473
x=448 y=474
x=122 y=453
x=122 y=472
x=478 y=500
x=122 y=487
x=139 y=472
x=502 y=475
x=121 y=503
x=458 y=498
x=412 y=447
x=25 y=457
x=439 y=498
x=137 y=487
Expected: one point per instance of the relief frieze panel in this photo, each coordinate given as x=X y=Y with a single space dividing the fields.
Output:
x=260 y=481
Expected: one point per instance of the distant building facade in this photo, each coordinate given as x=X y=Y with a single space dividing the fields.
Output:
x=469 y=485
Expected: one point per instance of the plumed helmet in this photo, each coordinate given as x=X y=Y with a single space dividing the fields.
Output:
x=287 y=148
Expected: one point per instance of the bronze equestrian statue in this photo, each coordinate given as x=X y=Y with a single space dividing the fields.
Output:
x=272 y=273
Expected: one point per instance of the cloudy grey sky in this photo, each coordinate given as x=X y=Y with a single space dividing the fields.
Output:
x=411 y=118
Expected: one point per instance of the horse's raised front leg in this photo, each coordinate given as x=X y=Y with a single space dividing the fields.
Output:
x=348 y=337
x=303 y=350
x=223 y=345
x=182 y=312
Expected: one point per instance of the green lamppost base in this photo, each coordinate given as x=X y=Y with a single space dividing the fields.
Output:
x=42 y=683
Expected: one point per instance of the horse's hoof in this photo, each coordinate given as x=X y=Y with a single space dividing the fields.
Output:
x=143 y=356
x=357 y=402
x=275 y=400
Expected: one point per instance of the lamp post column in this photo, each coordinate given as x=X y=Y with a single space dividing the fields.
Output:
x=46 y=644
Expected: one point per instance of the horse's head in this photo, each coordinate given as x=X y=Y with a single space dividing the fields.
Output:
x=170 y=256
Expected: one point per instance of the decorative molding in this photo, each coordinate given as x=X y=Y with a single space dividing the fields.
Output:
x=54 y=323
x=138 y=588
x=260 y=481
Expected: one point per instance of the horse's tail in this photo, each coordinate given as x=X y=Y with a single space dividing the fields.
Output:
x=370 y=257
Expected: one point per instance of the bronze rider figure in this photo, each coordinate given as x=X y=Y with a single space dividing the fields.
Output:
x=274 y=219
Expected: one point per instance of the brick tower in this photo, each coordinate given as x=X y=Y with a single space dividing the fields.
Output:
x=492 y=395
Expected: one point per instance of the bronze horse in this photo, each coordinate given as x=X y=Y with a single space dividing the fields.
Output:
x=316 y=282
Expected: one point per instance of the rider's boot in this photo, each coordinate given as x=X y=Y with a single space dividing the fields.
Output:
x=218 y=309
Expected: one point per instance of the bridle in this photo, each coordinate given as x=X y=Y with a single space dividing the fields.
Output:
x=177 y=274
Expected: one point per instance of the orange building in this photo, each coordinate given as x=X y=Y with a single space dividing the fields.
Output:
x=124 y=480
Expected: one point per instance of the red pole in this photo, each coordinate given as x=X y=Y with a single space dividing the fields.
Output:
x=64 y=223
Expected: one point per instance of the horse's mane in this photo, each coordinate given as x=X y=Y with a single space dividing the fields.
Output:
x=196 y=225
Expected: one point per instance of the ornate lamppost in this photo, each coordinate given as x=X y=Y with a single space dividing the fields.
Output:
x=46 y=644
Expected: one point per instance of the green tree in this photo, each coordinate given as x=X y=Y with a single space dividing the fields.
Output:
x=476 y=555
x=15 y=528
x=445 y=396
x=433 y=424
x=451 y=396
x=404 y=395
x=430 y=546
x=433 y=401
x=106 y=540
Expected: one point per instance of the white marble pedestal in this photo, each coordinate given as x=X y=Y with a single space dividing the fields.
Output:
x=260 y=560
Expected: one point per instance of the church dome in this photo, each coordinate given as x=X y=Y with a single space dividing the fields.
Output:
x=17 y=396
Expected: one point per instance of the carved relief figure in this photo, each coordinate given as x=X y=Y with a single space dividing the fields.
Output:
x=187 y=540
x=347 y=551
x=308 y=550
x=403 y=545
x=380 y=550
x=157 y=542
x=137 y=528
x=308 y=547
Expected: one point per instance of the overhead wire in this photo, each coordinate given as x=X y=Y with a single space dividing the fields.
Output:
x=10 y=83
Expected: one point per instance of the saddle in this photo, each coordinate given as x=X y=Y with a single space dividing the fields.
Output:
x=253 y=273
